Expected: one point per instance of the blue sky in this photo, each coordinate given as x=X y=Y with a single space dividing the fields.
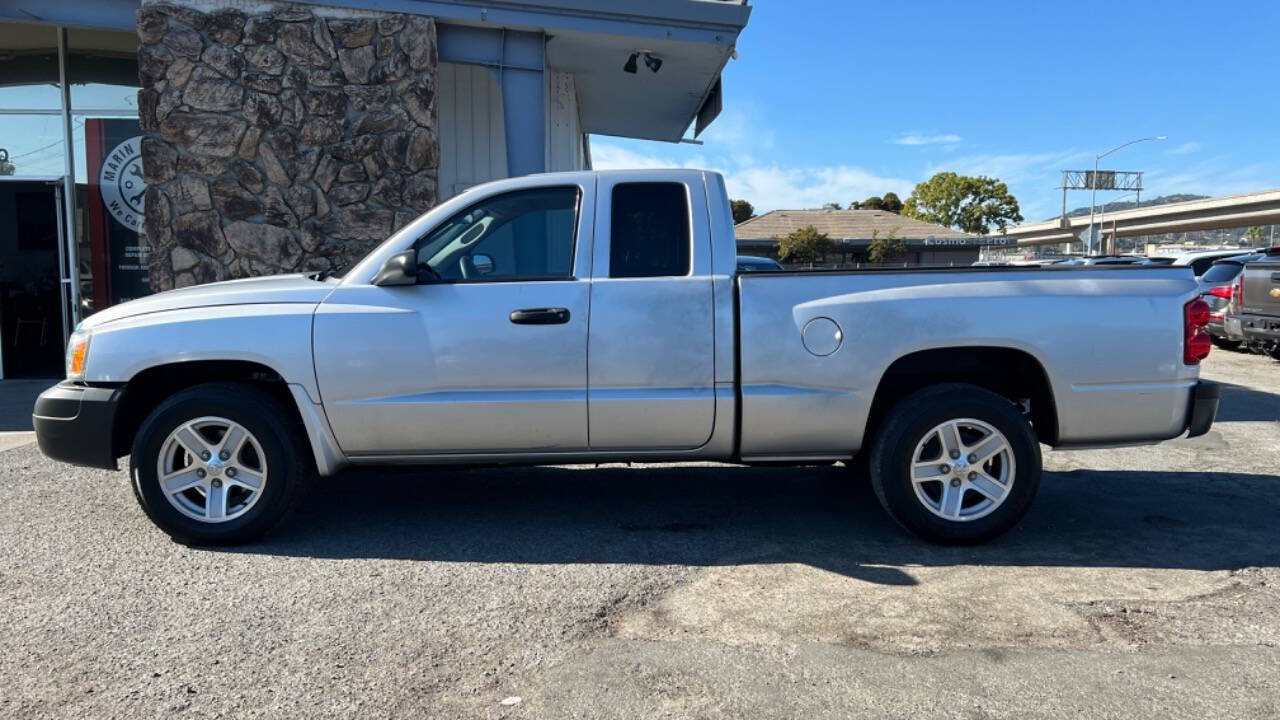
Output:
x=834 y=101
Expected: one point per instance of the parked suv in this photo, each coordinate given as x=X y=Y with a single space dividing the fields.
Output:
x=1201 y=260
x=1258 y=320
x=1218 y=286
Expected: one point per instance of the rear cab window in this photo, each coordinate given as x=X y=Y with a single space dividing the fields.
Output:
x=649 y=234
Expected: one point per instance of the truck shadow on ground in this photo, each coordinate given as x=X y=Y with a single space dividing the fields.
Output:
x=1240 y=403
x=824 y=517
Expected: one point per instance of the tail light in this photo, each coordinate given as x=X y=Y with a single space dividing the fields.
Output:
x=1223 y=292
x=1195 y=341
x=1237 y=291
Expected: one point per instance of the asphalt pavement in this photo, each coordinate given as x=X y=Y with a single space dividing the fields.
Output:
x=1144 y=583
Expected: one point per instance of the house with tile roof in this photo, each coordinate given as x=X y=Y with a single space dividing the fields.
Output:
x=853 y=230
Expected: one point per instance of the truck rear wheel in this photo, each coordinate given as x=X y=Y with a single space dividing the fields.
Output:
x=218 y=464
x=956 y=464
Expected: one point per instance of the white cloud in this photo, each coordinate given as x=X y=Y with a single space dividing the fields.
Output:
x=1185 y=148
x=1044 y=167
x=771 y=187
x=1031 y=177
x=766 y=186
x=606 y=155
x=734 y=147
x=924 y=139
x=1220 y=175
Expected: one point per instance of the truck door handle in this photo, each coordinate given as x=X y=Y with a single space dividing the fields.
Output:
x=1275 y=277
x=540 y=316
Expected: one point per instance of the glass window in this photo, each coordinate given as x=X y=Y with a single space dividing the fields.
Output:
x=649 y=230
x=526 y=234
x=1222 y=272
x=102 y=67
x=1199 y=265
x=28 y=68
x=31 y=142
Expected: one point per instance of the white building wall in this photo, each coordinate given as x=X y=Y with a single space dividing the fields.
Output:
x=564 y=130
x=473 y=144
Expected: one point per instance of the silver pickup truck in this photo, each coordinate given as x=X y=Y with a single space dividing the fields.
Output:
x=598 y=316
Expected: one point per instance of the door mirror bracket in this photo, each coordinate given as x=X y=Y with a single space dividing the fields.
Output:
x=399 y=269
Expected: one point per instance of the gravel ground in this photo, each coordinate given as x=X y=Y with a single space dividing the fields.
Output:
x=1143 y=583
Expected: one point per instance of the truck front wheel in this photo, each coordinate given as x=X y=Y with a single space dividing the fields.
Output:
x=956 y=464
x=217 y=464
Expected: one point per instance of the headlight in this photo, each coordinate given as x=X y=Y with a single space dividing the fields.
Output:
x=77 y=354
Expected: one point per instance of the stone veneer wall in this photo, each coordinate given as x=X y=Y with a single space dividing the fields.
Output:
x=281 y=140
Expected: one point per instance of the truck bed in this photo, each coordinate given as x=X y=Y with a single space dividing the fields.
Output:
x=1112 y=361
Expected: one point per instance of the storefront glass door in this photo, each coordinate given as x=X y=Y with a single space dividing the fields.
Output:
x=34 y=281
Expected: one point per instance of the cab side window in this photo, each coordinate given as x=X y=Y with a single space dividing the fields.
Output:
x=649 y=231
x=520 y=235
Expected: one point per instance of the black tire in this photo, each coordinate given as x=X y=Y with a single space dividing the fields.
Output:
x=1226 y=344
x=287 y=459
x=911 y=421
x=1273 y=351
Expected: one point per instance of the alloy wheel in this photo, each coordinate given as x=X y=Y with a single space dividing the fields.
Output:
x=212 y=469
x=962 y=469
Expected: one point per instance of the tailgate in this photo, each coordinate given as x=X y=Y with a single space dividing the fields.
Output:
x=1261 y=288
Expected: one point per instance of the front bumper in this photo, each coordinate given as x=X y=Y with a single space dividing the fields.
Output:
x=74 y=424
x=1203 y=408
x=1263 y=328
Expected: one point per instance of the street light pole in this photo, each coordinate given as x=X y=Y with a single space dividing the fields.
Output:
x=1093 y=201
x=1093 y=181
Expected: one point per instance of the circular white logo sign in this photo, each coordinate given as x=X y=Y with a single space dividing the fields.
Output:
x=121 y=184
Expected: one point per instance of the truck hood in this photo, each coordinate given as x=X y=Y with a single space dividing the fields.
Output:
x=297 y=288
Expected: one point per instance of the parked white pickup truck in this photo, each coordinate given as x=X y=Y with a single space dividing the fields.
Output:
x=598 y=316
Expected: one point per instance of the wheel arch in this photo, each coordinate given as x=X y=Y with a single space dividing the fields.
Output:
x=143 y=392
x=1012 y=373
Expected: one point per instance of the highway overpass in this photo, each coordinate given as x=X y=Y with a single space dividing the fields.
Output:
x=1261 y=207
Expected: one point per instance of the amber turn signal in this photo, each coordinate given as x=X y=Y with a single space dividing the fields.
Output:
x=77 y=353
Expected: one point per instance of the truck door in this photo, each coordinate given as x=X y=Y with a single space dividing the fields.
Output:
x=650 y=344
x=486 y=354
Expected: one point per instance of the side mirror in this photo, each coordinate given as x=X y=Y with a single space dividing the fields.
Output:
x=399 y=269
x=483 y=263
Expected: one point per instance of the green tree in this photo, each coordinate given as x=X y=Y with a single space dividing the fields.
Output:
x=971 y=204
x=805 y=245
x=887 y=248
x=742 y=211
x=889 y=203
x=831 y=206
x=1255 y=235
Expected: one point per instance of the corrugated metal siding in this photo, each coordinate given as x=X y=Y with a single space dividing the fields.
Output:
x=564 y=130
x=473 y=144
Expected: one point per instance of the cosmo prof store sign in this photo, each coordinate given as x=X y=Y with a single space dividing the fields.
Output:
x=117 y=195
x=975 y=241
